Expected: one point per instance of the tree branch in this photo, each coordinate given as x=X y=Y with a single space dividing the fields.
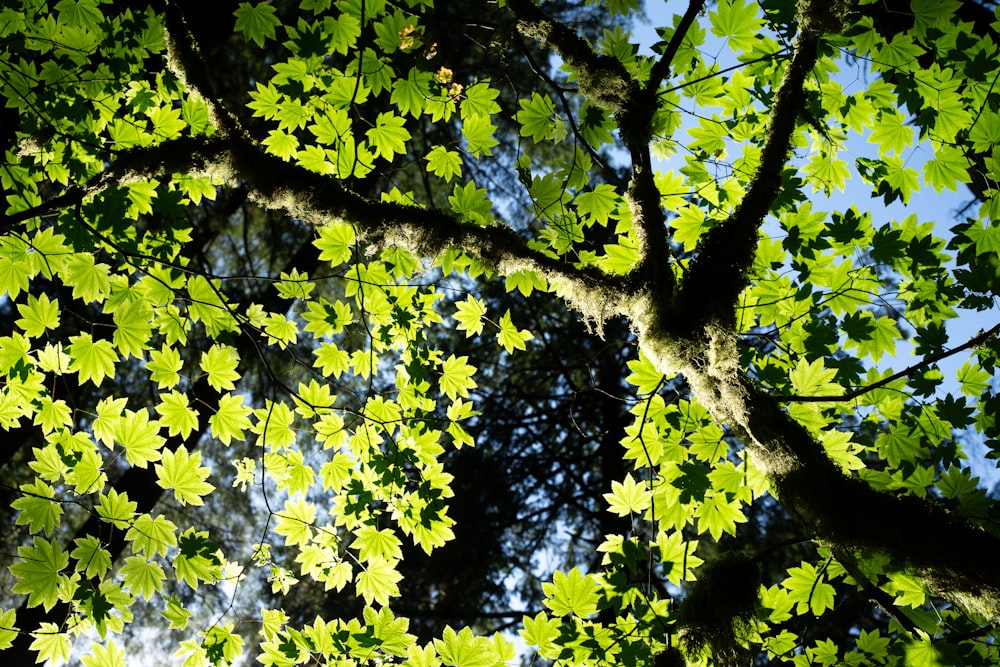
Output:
x=602 y=78
x=975 y=341
x=725 y=253
x=661 y=69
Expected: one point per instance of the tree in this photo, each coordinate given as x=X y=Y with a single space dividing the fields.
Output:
x=146 y=336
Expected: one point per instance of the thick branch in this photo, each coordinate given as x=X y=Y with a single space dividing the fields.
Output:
x=602 y=78
x=956 y=559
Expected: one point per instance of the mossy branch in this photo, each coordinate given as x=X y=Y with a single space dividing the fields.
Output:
x=955 y=558
x=602 y=78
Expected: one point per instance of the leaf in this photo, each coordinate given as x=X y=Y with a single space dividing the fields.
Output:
x=184 y=475
x=38 y=315
x=478 y=132
x=948 y=169
x=457 y=377
x=152 y=536
x=572 y=593
x=807 y=588
x=295 y=522
x=510 y=337
x=444 y=163
x=480 y=100
x=719 y=515
x=93 y=360
x=282 y=144
x=177 y=414
x=973 y=378
x=197 y=559
x=335 y=242
x=37 y=572
x=109 y=655
x=8 y=628
x=220 y=362
x=389 y=136
x=91 y=558
x=891 y=133
x=598 y=204
x=51 y=643
x=115 y=508
x=469 y=316
x=813 y=379
x=464 y=649
x=371 y=542
x=257 y=22
x=139 y=437
x=629 y=497
x=539 y=120
x=38 y=507
x=378 y=581
x=738 y=22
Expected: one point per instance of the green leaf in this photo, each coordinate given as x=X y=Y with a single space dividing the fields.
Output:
x=93 y=360
x=379 y=581
x=909 y=590
x=469 y=316
x=257 y=22
x=139 y=437
x=471 y=203
x=444 y=163
x=478 y=132
x=409 y=94
x=525 y=281
x=282 y=144
x=974 y=380
x=372 y=542
x=464 y=649
x=183 y=474
x=37 y=572
x=807 y=588
x=152 y=536
x=51 y=644
x=109 y=655
x=598 y=204
x=335 y=242
x=480 y=100
x=389 y=136
x=177 y=414
x=220 y=362
x=948 y=169
x=510 y=336
x=813 y=379
x=38 y=315
x=457 y=377
x=572 y=593
x=628 y=498
x=539 y=120
x=718 y=514
x=197 y=559
x=91 y=558
x=8 y=628
x=175 y=613
x=891 y=133
x=295 y=522
x=738 y=22
x=38 y=507
x=115 y=508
